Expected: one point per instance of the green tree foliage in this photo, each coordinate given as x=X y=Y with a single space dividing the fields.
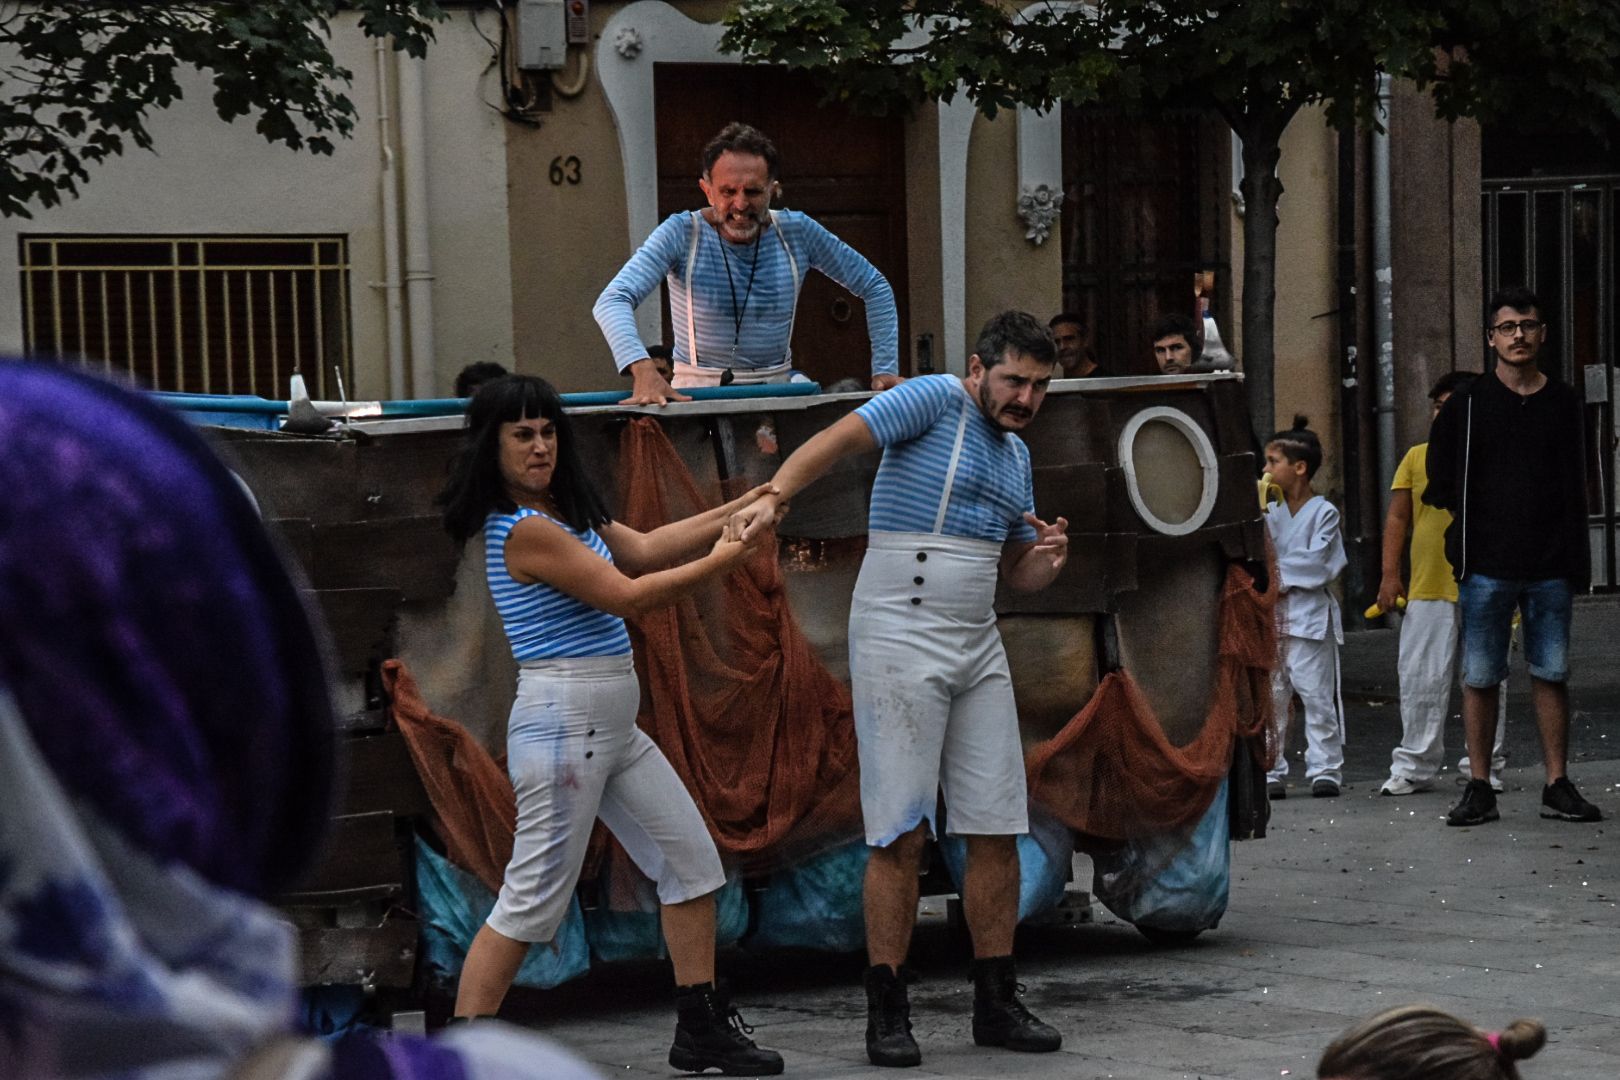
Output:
x=1255 y=62
x=78 y=81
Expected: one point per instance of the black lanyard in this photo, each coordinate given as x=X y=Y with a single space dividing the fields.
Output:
x=737 y=312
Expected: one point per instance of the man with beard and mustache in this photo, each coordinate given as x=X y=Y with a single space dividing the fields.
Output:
x=734 y=271
x=952 y=508
x=1507 y=458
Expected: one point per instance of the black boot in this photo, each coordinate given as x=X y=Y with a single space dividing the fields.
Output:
x=710 y=1035
x=888 y=1018
x=999 y=1018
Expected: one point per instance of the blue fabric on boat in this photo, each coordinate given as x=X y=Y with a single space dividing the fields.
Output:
x=453 y=905
x=814 y=905
x=1175 y=881
x=1045 y=854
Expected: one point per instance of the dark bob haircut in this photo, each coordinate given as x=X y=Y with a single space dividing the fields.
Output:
x=476 y=488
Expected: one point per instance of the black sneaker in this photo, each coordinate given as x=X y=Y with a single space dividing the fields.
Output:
x=709 y=1034
x=1478 y=805
x=1275 y=789
x=1560 y=800
x=1324 y=788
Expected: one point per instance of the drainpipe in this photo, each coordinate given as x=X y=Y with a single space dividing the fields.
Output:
x=1383 y=300
x=1355 y=583
x=393 y=302
x=418 y=258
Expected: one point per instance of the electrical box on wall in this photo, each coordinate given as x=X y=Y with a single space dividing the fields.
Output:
x=579 y=22
x=542 y=33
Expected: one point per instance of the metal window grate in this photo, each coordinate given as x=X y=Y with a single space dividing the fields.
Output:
x=219 y=315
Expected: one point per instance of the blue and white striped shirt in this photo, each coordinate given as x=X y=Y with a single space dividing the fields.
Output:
x=916 y=424
x=762 y=340
x=543 y=623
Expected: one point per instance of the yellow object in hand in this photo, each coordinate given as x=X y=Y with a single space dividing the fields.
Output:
x=1375 y=611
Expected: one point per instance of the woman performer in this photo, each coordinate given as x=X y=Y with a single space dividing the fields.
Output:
x=564 y=576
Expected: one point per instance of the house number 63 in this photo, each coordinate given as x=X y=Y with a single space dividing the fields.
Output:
x=565 y=170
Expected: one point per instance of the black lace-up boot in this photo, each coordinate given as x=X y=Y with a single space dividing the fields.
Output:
x=709 y=1034
x=999 y=1018
x=888 y=1018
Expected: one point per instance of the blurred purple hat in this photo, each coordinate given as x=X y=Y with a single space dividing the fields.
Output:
x=151 y=636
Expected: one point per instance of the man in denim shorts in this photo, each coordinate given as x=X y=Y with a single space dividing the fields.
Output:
x=1507 y=458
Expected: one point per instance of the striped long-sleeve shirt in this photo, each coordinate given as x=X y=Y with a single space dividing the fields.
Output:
x=766 y=316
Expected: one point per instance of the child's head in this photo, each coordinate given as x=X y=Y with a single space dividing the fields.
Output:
x=1446 y=385
x=1420 y=1042
x=1296 y=451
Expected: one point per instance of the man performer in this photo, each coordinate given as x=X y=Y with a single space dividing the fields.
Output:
x=1507 y=458
x=734 y=271
x=952 y=505
x=1072 y=337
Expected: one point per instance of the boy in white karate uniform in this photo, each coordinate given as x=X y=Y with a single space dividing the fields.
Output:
x=1304 y=530
x=1428 y=651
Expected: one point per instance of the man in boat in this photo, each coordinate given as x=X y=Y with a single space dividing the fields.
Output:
x=952 y=510
x=734 y=270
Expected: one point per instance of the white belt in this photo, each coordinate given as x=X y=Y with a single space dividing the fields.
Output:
x=687 y=375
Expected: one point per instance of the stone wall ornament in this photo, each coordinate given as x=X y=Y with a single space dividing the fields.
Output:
x=1039 y=206
x=627 y=42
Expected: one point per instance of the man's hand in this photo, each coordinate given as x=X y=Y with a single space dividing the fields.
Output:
x=884 y=382
x=1051 y=541
x=761 y=514
x=1390 y=590
x=648 y=387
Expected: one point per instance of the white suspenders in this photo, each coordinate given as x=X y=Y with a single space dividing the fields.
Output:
x=950 y=471
x=691 y=263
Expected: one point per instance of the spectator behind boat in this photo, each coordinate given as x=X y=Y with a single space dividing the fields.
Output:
x=1177 y=344
x=1076 y=358
x=166 y=746
x=1420 y=1042
x=475 y=375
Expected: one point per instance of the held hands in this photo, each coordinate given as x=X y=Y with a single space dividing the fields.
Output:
x=763 y=513
x=1051 y=541
x=649 y=388
x=731 y=547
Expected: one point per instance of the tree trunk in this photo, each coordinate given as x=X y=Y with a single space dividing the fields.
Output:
x=1261 y=189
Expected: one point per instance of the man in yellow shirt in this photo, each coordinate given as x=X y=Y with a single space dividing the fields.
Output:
x=1428 y=652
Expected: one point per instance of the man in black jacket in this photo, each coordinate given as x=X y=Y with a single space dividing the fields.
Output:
x=1507 y=458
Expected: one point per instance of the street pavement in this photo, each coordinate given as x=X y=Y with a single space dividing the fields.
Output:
x=1349 y=906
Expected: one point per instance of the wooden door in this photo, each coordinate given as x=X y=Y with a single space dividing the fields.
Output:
x=1137 y=225
x=846 y=171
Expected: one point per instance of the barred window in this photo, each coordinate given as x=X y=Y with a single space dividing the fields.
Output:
x=195 y=314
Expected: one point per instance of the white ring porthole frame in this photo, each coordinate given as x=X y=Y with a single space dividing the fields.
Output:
x=1202 y=447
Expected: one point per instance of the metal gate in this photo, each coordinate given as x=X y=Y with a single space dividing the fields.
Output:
x=1561 y=238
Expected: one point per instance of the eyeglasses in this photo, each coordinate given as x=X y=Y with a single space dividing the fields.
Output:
x=1507 y=329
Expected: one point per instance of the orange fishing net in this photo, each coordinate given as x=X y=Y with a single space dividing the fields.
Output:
x=757 y=727
x=470 y=791
x=1111 y=774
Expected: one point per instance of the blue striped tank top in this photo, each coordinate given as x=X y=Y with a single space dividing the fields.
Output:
x=543 y=623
